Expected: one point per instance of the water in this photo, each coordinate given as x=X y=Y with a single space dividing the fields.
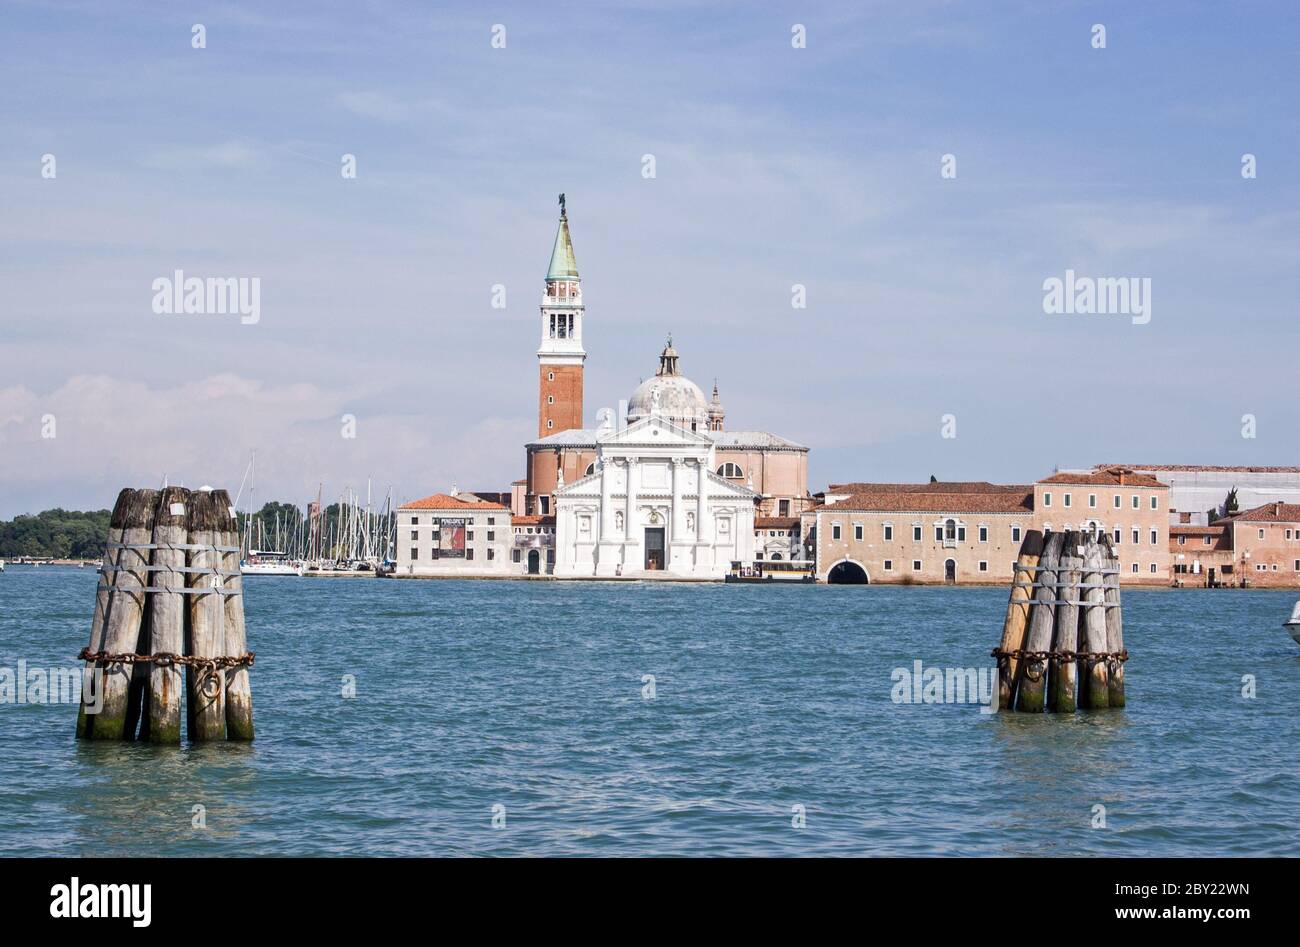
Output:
x=528 y=695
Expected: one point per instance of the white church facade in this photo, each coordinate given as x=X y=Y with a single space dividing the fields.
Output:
x=652 y=505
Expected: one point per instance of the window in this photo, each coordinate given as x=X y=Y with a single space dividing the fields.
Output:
x=1261 y=534
x=1066 y=500
x=1208 y=541
x=1137 y=535
x=415 y=534
x=835 y=530
x=492 y=535
x=1260 y=567
x=1047 y=499
x=415 y=521
x=492 y=553
x=550 y=424
x=1153 y=567
x=1288 y=534
x=889 y=565
x=469 y=553
x=469 y=535
x=783 y=508
x=1015 y=534
x=1092 y=500
x=1182 y=540
x=1135 y=567
x=961 y=534
x=550 y=376
x=1155 y=537
x=857 y=532
x=1155 y=503
x=415 y=553
x=938 y=534
x=984 y=566
x=889 y=532
x=1117 y=535
x=514 y=555
x=491 y=520
x=1137 y=501
x=916 y=565
x=984 y=534
x=731 y=470
x=1297 y=565
x=1118 y=501
x=550 y=399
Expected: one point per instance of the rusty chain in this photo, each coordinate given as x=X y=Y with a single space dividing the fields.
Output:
x=1033 y=659
x=168 y=658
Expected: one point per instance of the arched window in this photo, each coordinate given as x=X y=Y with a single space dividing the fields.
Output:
x=591 y=469
x=950 y=529
x=731 y=471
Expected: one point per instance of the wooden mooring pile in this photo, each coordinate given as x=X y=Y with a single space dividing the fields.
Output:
x=1063 y=639
x=170 y=596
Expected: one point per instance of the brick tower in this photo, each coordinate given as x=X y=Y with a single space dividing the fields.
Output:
x=561 y=356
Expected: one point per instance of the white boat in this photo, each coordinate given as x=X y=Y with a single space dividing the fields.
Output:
x=270 y=563
x=1293 y=623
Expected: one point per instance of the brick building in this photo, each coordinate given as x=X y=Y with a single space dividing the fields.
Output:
x=970 y=532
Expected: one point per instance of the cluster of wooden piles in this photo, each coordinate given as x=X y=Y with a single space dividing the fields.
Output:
x=1063 y=638
x=169 y=597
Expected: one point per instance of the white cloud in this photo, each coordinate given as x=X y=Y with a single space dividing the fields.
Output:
x=113 y=432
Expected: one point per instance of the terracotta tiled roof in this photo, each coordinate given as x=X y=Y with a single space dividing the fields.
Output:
x=1196 y=530
x=1275 y=512
x=957 y=486
x=492 y=496
x=441 y=501
x=775 y=522
x=1107 y=476
x=533 y=520
x=886 y=501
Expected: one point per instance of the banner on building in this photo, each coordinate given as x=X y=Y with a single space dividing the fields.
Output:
x=451 y=538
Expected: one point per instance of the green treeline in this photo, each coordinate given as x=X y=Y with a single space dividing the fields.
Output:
x=61 y=534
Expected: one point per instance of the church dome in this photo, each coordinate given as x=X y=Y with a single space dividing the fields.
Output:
x=670 y=394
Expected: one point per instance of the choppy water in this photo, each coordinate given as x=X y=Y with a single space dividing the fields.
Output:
x=528 y=695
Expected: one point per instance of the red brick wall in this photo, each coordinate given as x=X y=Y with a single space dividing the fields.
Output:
x=566 y=388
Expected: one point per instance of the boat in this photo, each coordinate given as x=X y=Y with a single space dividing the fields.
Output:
x=270 y=563
x=772 y=570
x=2 y=565
x=1292 y=624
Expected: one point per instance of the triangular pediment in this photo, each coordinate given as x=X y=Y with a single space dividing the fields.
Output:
x=719 y=486
x=654 y=431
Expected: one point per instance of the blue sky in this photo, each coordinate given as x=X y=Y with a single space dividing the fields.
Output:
x=774 y=166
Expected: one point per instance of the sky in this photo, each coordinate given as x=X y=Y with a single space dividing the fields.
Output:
x=820 y=166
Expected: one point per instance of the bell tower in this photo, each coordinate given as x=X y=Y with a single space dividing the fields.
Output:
x=561 y=356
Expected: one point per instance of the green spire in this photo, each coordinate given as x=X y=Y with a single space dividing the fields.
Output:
x=563 y=264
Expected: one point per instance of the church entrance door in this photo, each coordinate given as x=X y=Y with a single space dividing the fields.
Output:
x=654 y=548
